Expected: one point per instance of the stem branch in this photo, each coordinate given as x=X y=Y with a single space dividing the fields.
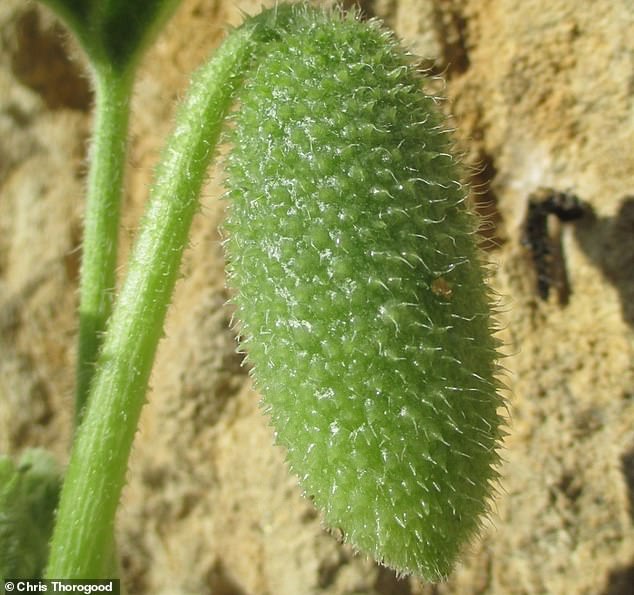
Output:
x=101 y=224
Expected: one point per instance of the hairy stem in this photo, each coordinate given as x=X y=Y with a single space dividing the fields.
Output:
x=99 y=457
x=101 y=225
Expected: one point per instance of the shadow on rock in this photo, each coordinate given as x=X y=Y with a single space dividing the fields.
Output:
x=609 y=243
x=620 y=581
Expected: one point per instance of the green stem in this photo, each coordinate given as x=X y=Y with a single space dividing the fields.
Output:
x=101 y=225
x=98 y=463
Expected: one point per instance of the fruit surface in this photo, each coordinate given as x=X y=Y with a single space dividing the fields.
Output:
x=361 y=292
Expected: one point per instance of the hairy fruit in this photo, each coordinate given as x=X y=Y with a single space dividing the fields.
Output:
x=361 y=292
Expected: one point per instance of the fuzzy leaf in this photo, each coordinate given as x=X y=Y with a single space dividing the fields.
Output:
x=28 y=498
x=113 y=32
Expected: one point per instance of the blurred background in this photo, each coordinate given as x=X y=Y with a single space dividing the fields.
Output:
x=541 y=94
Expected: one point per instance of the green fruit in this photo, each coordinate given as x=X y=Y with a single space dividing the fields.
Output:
x=361 y=292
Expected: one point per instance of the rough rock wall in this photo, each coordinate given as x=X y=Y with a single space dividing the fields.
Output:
x=542 y=94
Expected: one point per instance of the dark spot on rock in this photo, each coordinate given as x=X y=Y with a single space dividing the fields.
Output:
x=627 y=467
x=620 y=581
x=389 y=583
x=40 y=62
x=221 y=582
x=486 y=202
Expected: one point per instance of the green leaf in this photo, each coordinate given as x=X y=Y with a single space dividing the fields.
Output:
x=29 y=493
x=113 y=32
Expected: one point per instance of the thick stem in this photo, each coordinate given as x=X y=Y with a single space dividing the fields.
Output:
x=99 y=457
x=101 y=224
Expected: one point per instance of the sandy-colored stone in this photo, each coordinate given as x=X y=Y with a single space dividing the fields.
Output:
x=541 y=94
